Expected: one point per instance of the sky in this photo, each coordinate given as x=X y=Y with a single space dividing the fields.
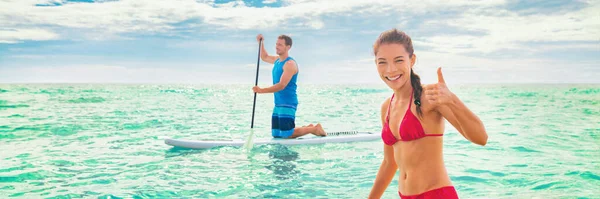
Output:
x=214 y=41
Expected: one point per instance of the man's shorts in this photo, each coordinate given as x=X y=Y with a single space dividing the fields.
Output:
x=283 y=121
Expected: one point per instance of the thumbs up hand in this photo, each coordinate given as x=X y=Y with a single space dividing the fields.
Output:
x=438 y=94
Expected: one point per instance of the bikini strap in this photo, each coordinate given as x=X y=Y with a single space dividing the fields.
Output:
x=410 y=102
x=387 y=116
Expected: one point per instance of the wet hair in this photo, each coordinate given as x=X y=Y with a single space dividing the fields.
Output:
x=394 y=36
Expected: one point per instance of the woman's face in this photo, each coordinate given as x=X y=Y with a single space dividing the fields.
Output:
x=394 y=65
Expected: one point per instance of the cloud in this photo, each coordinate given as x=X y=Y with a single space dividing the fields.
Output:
x=149 y=16
x=32 y=34
x=160 y=16
x=506 y=30
x=334 y=36
x=215 y=45
x=316 y=24
x=498 y=27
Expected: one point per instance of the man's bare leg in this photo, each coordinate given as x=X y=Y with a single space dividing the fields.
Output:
x=315 y=130
x=310 y=125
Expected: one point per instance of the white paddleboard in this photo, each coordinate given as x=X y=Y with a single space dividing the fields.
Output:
x=333 y=137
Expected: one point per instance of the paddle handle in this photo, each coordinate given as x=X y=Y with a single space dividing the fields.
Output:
x=256 y=83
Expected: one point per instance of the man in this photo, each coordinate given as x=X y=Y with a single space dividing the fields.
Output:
x=285 y=73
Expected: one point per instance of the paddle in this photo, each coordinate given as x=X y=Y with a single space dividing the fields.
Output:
x=248 y=144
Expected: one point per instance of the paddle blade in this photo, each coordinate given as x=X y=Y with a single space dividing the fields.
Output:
x=249 y=141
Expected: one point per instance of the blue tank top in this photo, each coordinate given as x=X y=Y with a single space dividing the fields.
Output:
x=287 y=96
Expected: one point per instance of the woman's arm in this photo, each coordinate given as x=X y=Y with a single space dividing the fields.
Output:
x=455 y=111
x=465 y=121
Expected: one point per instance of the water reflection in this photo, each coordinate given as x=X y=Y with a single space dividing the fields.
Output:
x=284 y=165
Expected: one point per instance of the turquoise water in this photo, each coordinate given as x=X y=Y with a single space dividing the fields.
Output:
x=105 y=141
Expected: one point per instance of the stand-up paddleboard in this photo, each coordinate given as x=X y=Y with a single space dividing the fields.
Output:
x=333 y=137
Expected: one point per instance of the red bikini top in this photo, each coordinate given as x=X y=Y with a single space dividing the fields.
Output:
x=410 y=127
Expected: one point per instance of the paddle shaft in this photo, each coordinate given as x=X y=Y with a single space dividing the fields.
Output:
x=256 y=83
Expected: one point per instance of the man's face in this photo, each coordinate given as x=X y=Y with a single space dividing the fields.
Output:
x=280 y=47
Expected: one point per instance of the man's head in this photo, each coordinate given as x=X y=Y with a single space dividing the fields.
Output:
x=284 y=43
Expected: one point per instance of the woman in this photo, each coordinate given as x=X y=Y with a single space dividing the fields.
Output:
x=413 y=123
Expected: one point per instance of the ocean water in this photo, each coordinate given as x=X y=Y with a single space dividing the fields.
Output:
x=106 y=141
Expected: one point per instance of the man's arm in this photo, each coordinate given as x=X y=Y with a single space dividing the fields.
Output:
x=266 y=57
x=289 y=70
x=263 y=52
